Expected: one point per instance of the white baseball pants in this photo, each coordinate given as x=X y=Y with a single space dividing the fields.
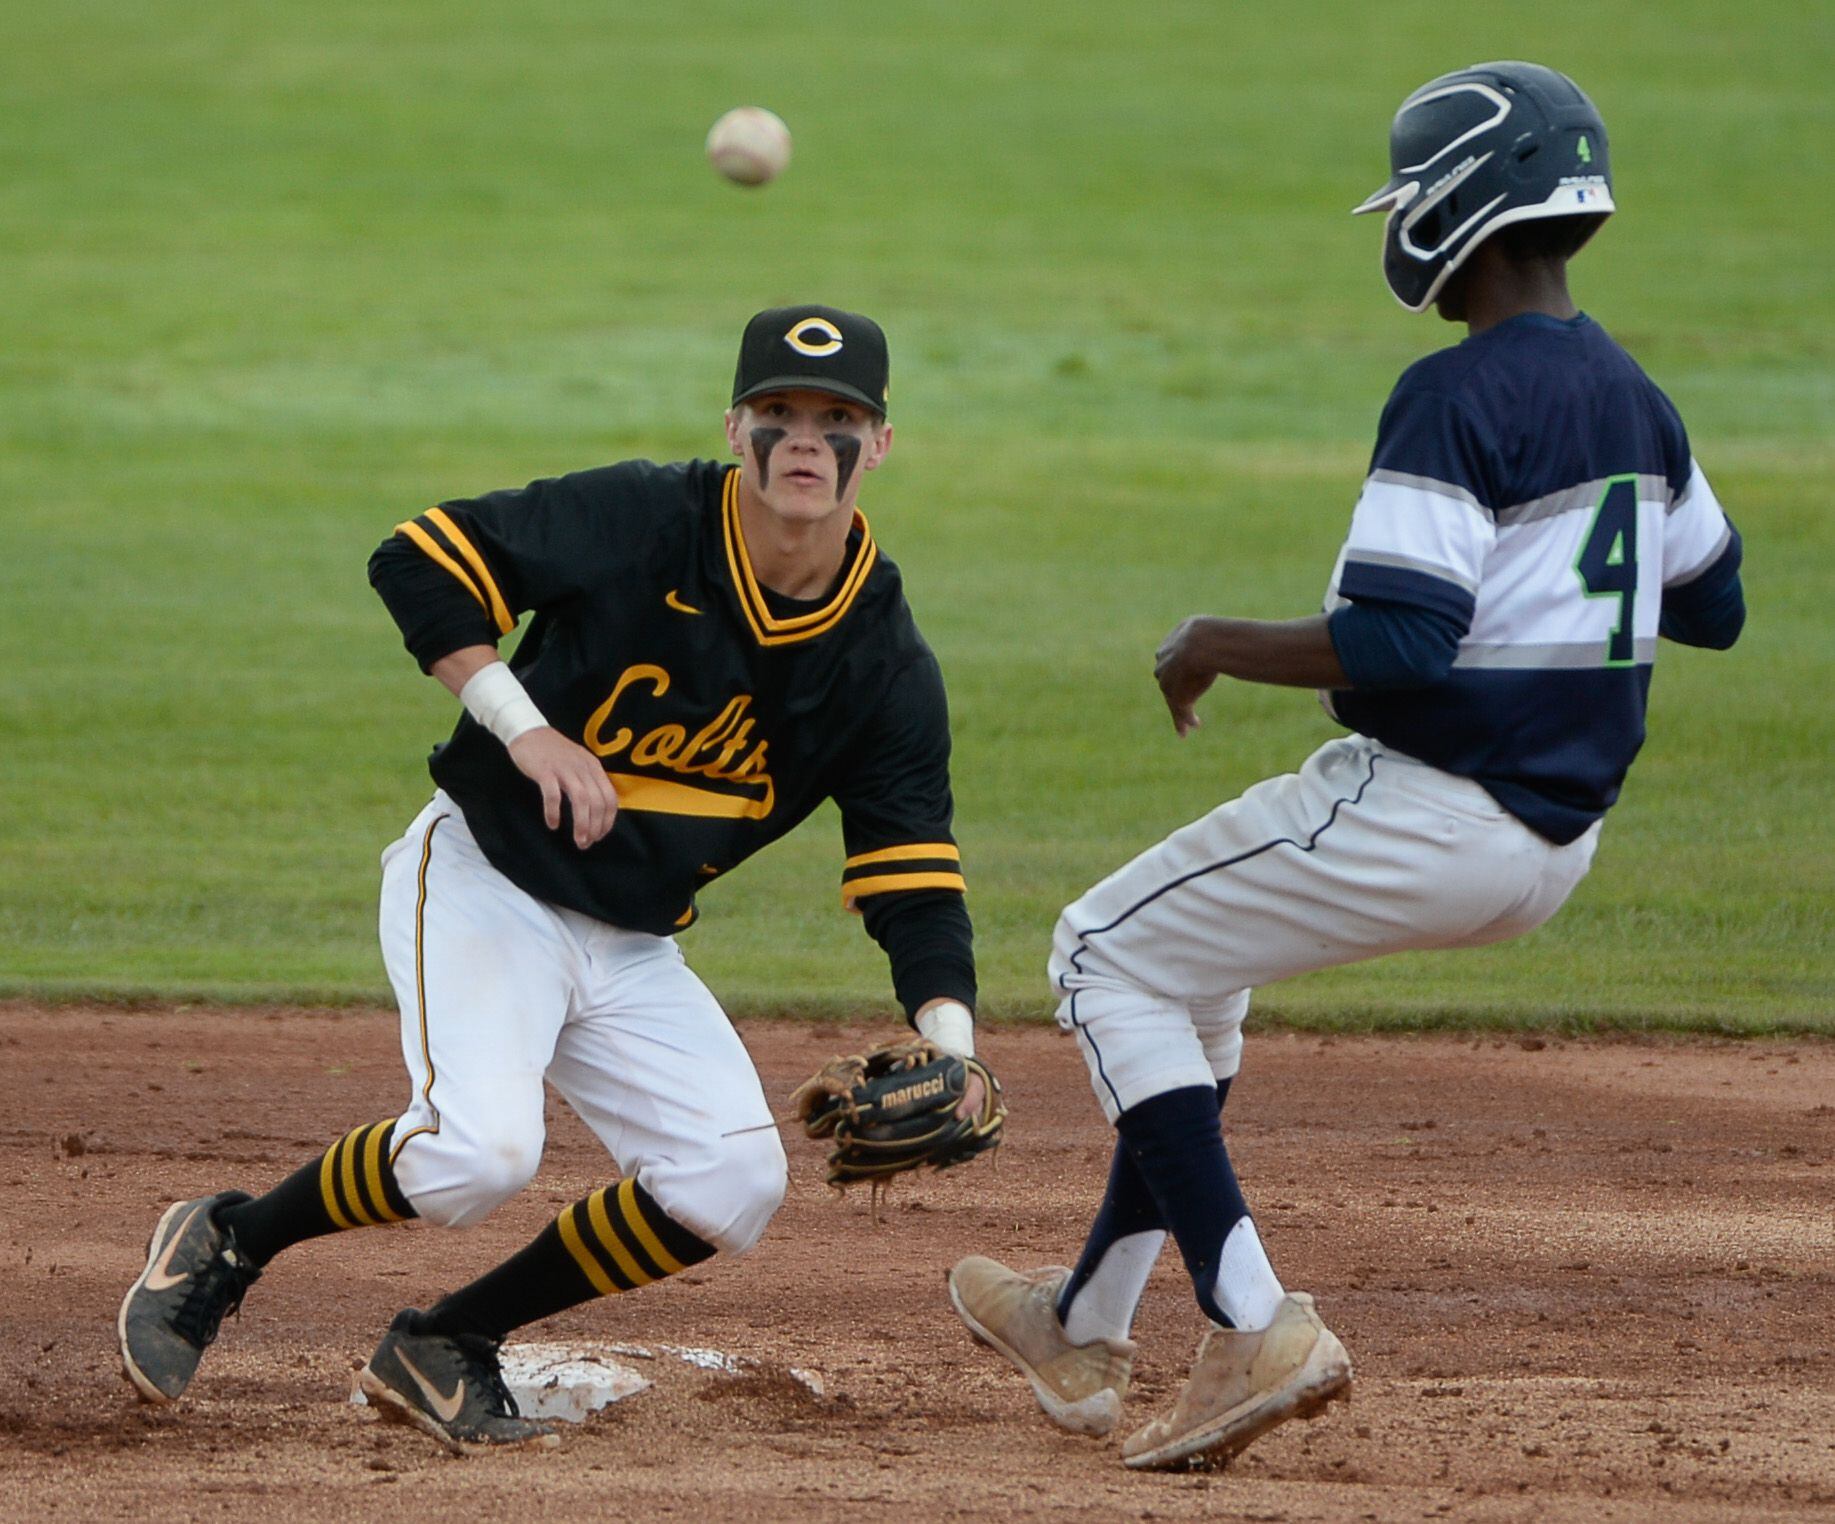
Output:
x=1362 y=852
x=499 y=990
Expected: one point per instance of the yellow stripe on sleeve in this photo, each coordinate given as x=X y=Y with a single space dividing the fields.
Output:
x=646 y=1235
x=431 y=546
x=499 y=610
x=583 y=1257
x=935 y=849
x=886 y=883
x=602 y=1225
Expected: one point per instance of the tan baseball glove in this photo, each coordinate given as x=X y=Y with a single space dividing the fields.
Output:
x=893 y=1109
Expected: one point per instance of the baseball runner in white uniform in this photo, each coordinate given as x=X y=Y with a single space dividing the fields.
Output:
x=1532 y=521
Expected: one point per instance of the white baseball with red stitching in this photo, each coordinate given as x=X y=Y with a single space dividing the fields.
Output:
x=749 y=145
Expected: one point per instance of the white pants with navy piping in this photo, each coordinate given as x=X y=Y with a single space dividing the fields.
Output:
x=499 y=991
x=1363 y=851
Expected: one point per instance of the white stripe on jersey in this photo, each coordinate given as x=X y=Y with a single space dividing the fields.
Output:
x=1426 y=484
x=1533 y=597
x=1422 y=525
x=1698 y=531
x=1533 y=610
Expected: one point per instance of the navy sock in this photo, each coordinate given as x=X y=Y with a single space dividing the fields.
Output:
x=1177 y=1146
x=1128 y=1207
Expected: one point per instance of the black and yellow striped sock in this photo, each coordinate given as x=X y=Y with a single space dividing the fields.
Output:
x=350 y=1185
x=616 y=1239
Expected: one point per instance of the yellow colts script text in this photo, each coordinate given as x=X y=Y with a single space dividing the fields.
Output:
x=722 y=751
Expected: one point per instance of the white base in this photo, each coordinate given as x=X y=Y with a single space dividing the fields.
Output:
x=567 y=1381
x=571 y=1382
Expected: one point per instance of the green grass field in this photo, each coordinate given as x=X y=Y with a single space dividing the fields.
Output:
x=275 y=277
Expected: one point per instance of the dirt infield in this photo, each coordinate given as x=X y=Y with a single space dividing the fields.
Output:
x=1580 y=1281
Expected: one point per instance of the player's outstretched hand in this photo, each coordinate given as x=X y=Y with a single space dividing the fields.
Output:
x=564 y=769
x=1184 y=671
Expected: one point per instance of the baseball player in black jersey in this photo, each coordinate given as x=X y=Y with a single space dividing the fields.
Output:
x=712 y=651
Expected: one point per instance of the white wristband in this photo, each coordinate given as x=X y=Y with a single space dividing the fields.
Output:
x=498 y=702
x=951 y=1026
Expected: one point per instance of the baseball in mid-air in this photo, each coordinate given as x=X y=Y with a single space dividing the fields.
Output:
x=749 y=145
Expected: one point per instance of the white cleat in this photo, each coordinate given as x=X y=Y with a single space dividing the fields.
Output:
x=1080 y=1386
x=1241 y=1386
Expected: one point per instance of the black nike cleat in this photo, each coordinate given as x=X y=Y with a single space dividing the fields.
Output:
x=171 y=1315
x=449 y=1386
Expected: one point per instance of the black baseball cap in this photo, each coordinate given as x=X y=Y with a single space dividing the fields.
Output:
x=817 y=349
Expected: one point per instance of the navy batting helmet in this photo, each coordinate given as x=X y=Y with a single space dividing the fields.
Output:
x=1476 y=150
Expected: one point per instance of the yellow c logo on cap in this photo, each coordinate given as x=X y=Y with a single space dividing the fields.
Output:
x=814 y=336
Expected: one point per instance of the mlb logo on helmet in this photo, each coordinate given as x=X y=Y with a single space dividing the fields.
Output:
x=819 y=349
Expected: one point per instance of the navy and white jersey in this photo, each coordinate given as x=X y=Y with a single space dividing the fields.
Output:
x=1532 y=487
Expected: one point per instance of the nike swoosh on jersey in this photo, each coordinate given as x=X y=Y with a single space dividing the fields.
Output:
x=160 y=1276
x=444 y=1408
x=674 y=601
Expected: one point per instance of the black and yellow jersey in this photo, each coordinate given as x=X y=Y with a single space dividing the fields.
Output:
x=723 y=712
